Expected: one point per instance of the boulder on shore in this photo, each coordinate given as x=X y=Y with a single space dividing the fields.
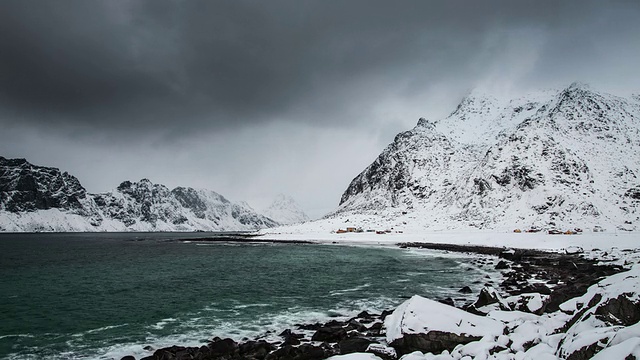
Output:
x=424 y=325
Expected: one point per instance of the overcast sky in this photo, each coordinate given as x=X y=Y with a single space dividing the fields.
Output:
x=255 y=98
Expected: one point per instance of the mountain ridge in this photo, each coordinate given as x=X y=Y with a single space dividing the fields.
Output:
x=39 y=198
x=555 y=159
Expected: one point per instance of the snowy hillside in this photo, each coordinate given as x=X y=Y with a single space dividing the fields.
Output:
x=562 y=159
x=35 y=198
x=285 y=211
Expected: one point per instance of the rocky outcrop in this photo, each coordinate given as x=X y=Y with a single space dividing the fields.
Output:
x=25 y=187
x=598 y=316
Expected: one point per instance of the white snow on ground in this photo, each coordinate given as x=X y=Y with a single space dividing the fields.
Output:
x=324 y=232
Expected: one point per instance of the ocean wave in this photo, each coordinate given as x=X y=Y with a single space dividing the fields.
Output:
x=350 y=290
x=17 y=336
x=162 y=323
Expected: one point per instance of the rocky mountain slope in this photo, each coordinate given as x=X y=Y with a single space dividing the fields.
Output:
x=562 y=159
x=285 y=210
x=37 y=198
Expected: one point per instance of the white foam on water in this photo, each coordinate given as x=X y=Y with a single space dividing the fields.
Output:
x=162 y=323
x=350 y=290
x=16 y=335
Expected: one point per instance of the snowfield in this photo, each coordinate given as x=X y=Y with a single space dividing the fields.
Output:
x=323 y=231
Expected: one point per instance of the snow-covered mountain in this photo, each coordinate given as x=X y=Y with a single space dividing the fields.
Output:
x=568 y=158
x=285 y=210
x=37 y=198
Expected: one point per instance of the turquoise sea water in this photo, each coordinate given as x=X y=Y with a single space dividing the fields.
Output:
x=88 y=296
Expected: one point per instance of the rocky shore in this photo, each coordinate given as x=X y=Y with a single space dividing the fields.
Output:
x=539 y=302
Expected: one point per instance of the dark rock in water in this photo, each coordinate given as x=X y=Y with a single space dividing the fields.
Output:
x=448 y=301
x=257 y=350
x=385 y=313
x=288 y=333
x=487 y=296
x=354 y=344
x=315 y=326
x=364 y=315
x=355 y=325
x=128 y=357
x=465 y=290
x=374 y=330
x=223 y=347
x=291 y=338
x=334 y=323
x=433 y=342
x=285 y=352
x=167 y=353
x=291 y=341
x=330 y=334
x=148 y=348
x=501 y=265
x=204 y=351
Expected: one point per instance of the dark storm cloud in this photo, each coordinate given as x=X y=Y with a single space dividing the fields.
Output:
x=185 y=65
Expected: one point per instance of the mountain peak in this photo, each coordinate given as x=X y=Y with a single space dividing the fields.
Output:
x=285 y=210
x=424 y=123
x=562 y=158
x=577 y=85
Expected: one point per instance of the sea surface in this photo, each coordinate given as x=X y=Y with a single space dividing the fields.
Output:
x=106 y=295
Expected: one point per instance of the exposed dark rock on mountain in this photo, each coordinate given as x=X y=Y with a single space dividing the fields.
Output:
x=567 y=158
x=24 y=187
x=37 y=198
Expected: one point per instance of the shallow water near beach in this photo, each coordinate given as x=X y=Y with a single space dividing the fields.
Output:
x=103 y=296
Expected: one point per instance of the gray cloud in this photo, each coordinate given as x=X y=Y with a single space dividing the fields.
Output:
x=166 y=74
x=122 y=65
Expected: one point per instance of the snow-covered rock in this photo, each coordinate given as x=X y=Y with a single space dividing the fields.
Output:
x=556 y=159
x=36 y=198
x=430 y=326
x=285 y=211
x=602 y=324
x=355 y=356
x=601 y=313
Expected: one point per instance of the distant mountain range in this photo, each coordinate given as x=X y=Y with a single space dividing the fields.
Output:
x=38 y=198
x=555 y=159
x=568 y=158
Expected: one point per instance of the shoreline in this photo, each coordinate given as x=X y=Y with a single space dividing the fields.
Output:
x=558 y=277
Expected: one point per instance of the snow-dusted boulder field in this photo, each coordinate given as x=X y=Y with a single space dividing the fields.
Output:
x=601 y=324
